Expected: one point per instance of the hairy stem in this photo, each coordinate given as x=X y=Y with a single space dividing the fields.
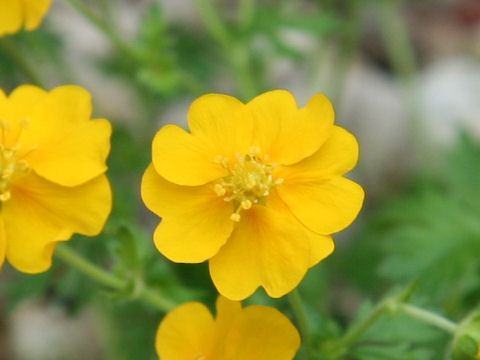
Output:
x=429 y=317
x=103 y=277
x=235 y=52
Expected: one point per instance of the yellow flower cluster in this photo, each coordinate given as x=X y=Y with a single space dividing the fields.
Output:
x=52 y=166
x=256 y=189
x=18 y=14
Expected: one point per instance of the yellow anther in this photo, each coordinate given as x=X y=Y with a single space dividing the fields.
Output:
x=235 y=217
x=219 y=190
x=249 y=182
x=224 y=161
x=11 y=167
x=246 y=204
x=4 y=196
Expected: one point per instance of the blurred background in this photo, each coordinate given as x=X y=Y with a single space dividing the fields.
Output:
x=404 y=77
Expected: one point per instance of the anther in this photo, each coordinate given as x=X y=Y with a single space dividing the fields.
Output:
x=235 y=217
x=219 y=190
x=246 y=204
x=250 y=181
x=4 y=196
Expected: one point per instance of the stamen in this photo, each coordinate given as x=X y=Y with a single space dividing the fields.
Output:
x=235 y=217
x=11 y=165
x=219 y=190
x=246 y=204
x=250 y=180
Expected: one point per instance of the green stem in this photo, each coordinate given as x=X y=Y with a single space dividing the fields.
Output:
x=401 y=54
x=357 y=330
x=395 y=304
x=102 y=25
x=12 y=51
x=396 y=39
x=236 y=53
x=429 y=317
x=213 y=22
x=298 y=309
x=190 y=83
x=103 y=277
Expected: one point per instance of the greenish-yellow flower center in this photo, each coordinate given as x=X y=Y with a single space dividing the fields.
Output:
x=10 y=169
x=250 y=181
x=11 y=165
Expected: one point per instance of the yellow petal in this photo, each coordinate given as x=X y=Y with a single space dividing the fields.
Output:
x=184 y=159
x=59 y=141
x=19 y=104
x=35 y=10
x=41 y=213
x=222 y=121
x=75 y=155
x=325 y=206
x=3 y=243
x=261 y=333
x=65 y=104
x=196 y=222
x=288 y=134
x=321 y=246
x=267 y=248
x=227 y=310
x=11 y=16
x=337 y=156
x=186 y=333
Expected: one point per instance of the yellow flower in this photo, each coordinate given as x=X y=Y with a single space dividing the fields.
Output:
x=254 y=188
x=16 y=14
x=189 y=332
x=52 y=165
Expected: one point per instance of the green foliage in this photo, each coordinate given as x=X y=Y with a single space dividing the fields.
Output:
x=434 y=233
x=398 y=337
x=431 y=232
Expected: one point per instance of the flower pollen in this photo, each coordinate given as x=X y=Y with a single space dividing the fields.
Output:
x=11 y=167
x=250 y=180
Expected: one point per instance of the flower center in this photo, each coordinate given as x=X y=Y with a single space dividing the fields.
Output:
x=250 y=181
x=11 y=165
x=11 y=168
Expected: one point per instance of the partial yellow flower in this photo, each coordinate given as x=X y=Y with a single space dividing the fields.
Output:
x=257 y=189
x=254 y=333
x=52 y=166
x=18 y=14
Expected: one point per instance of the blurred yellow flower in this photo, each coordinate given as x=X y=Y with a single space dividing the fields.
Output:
x=18 y=14
x=52 y=165
x=255 y=333
x=255 y=188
